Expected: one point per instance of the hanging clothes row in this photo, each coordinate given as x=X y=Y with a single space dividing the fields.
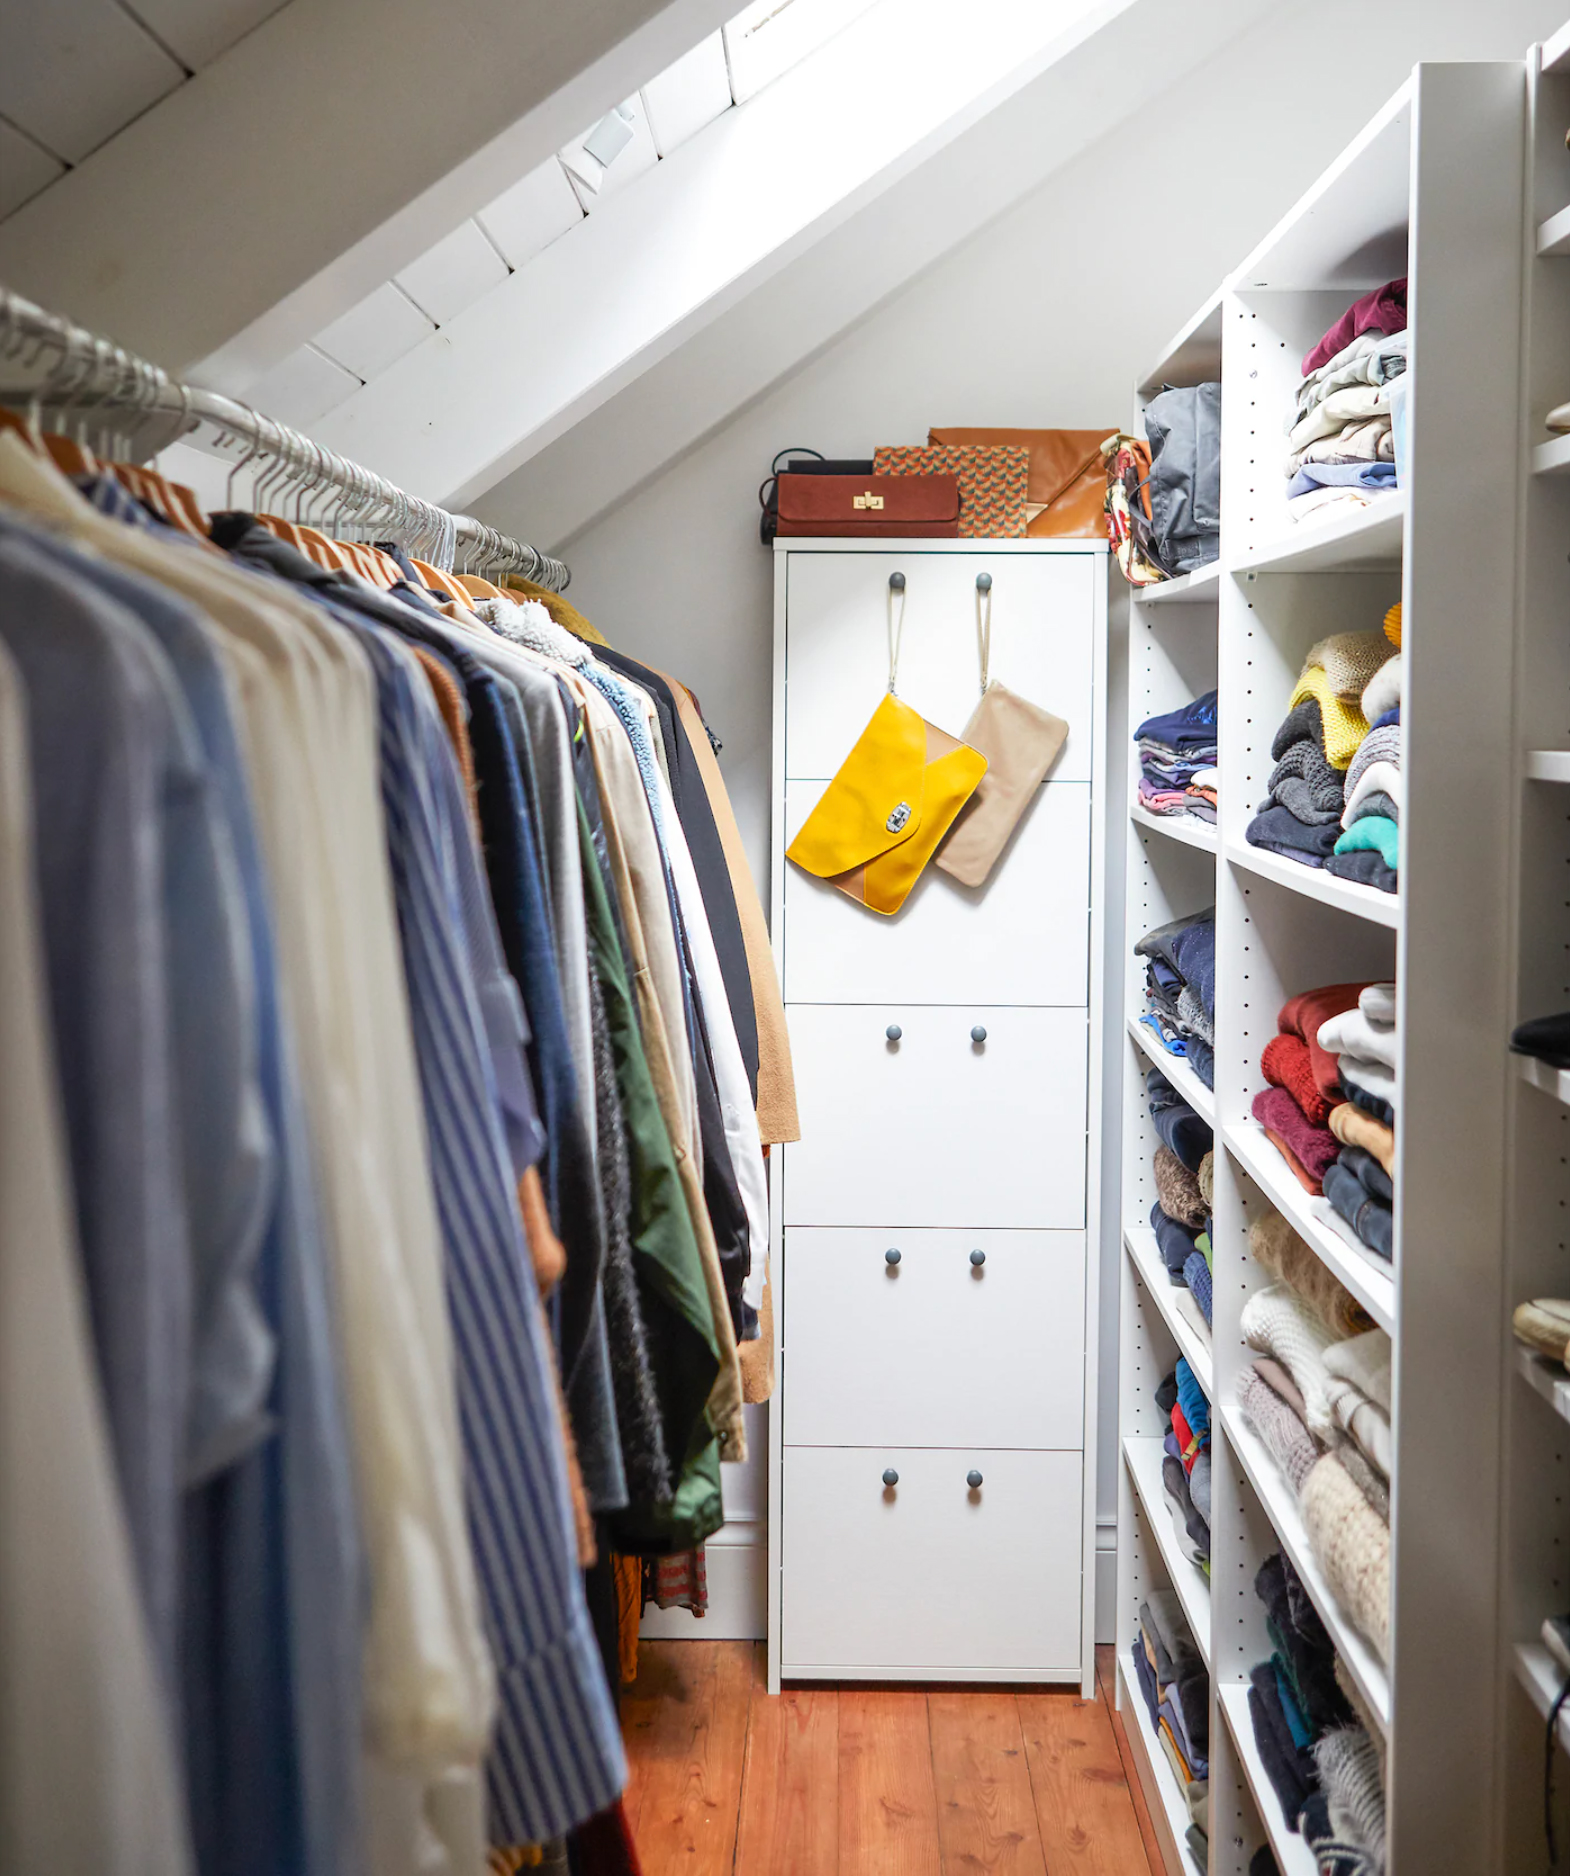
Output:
x=389 y=1039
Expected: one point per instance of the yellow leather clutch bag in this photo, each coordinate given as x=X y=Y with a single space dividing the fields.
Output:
x=894 y=798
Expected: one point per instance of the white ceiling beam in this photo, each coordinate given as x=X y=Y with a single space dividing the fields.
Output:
x=653 y=265
x=318 y=157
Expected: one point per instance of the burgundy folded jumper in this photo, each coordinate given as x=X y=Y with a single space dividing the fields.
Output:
x=1301 y=1016
x=1286 y=1063
x=1313 y=1148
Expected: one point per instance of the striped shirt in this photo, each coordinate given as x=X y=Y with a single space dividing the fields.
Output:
x=556 y=1757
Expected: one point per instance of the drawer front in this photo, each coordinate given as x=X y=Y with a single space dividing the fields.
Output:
x=836 y=645
x=1022 y=938
x=936 y=1129
x=935 y=1350
x=929 y=1573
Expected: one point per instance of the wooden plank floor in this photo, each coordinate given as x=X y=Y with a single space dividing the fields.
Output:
x=856 y=1781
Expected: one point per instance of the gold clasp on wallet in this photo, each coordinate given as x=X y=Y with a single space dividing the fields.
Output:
x=869 y=500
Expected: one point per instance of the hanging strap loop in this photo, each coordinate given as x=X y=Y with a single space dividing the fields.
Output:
x=896 y=624
x=984 y=626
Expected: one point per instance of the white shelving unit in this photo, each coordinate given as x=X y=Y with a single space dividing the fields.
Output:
x=1433 y=189
x=1535 y=1579
x=1171 y=871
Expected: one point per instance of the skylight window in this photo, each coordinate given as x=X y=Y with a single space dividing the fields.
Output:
x=770 y=36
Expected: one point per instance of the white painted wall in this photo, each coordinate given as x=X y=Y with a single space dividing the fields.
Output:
x=1045 y=317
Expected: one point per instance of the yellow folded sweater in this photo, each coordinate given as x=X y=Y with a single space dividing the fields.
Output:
x=1345 y=725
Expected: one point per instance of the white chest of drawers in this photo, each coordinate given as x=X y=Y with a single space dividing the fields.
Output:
x=931 y=1464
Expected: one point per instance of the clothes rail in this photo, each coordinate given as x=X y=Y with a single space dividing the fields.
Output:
x=102 y=389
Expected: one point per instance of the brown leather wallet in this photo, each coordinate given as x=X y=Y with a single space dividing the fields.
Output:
x=891 y=507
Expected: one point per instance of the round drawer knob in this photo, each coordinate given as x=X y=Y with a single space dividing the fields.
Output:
x=972 y=1479
x=894 y=1032
x=979 y=1033
x=983 y=582
x=890 y=1476
x=977 y=1259
x=896 y=582
x=891 y=1258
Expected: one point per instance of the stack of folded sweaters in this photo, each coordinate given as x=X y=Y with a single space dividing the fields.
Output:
x=1185 y=1464
x=1180 y=1216
x=1340 y=440
x=1330 y=1107
x=1323 y=1763
x=1180 y=989
x=1367 y=849
x=1318 y=1398
x=1177 y=760
x=1359 y=1182
x=1323 y=731
x=1171 y=1676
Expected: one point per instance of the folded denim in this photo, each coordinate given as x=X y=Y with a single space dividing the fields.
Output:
x=1370 y=1218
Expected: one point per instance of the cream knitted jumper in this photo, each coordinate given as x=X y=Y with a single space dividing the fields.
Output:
x=1278 y=1249
x=1349 y=660
x=1278 y=1322
x=1364 y=1360
x=1351 y=1033
x=1383 y=690
x=1352 y=1547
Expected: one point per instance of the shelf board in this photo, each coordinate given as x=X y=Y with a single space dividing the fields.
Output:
x=1552 y=459
x=1176 y=1070
x=1188 y=828
x=1556 y=51
x=1191 y=589
x=1553 y=235
x=1169 y=1814
x=1552 y=1081
x=1368 y=540
x=1275 y=1495
x=1193 y=356
x=1548 y=765
x=1543 y=1678
x=1139 y=1241
x=1143 y=1457
x=1292 y=1854
x=1315 y=1221
x=1313 y=882
x=1546 y=1378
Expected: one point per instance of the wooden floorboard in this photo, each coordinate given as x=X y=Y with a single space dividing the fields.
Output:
x=790 y=1788
x=1084 y=1809
x=986 y=1813
x=860 y=1781
x=1106 y=1679
x=888 y=1803
x=689 y=1760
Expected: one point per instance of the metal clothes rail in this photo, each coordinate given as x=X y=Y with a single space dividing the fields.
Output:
x=104 y=394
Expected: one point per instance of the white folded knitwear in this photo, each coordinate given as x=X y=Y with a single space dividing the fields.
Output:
x=1276 y=1321
x=1378 y=1004
x=1384 y=689
x=1364 y=1360
x=1365 y=1423
x=1351 y=1546
x=1351 y=1033
x=1368 y=1077
x=1382 y=778
x=1354 y=403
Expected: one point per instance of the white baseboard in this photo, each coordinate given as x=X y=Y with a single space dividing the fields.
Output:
x=736 y=1560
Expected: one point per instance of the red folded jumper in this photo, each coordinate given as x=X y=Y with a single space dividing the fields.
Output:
x=1287 y=1064
x=1301 y=1016
x=1308 y=1149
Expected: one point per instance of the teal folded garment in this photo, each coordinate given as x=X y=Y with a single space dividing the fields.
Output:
x=1374 y=833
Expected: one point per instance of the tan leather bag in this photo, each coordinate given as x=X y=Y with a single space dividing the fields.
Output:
x=1068 y=479
x=1020 y=741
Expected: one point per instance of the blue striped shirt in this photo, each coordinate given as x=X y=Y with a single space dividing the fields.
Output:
x=557 y=1754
